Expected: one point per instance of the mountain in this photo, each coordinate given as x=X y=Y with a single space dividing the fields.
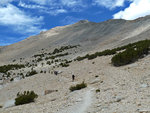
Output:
x=90 y=35
x=45 y=64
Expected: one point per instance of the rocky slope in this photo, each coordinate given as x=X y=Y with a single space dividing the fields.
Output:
x=109 y=89
x=91 y=36
x=122 y=90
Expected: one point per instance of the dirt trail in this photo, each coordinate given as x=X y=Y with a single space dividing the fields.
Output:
x=82 y=106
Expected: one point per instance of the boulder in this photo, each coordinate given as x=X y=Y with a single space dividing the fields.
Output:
x=49 y=91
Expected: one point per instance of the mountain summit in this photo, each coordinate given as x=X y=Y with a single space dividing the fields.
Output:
x=83 y=21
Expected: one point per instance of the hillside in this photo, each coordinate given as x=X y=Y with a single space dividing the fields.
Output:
x=32 y=65
x=91 y=36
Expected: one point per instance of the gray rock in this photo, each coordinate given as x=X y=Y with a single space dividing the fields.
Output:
x=144 y=85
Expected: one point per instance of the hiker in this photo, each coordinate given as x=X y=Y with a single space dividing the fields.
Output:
x=55 y=72
x=73 y=77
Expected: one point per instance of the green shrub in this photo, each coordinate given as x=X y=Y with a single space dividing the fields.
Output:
x=78 y=86
x=21 y=73
x=39 y=55
x=55 y=56
x=14 y=60
x=82 y=58
x=132 y=53
x=6 y=68
x=66 y=61
x=108 y=52
x=48 y=62
x=56 y=60
x=64 y=64
x=96 y=76
x=92 y=56
x=26 y=97
x=62 y=48
x=95 y=55
x=79 y=58
x=98 y=90
x=12 y=79
x=39 y=59
x=31 y=73
x=56 y=51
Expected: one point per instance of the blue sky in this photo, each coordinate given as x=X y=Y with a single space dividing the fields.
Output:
x=20 y=19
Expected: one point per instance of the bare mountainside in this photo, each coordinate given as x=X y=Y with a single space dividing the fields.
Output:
x=89 y=35
x=109 y=77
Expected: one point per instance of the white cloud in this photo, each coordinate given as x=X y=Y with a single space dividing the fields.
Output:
x=70 y=20
x=52 y=6
x=41 y=2
x=24 y=5
x=12 y=16
x=71 y=3
x=57 y=3
x=52 y=11
x=138 y=8
x=68 y=3
x=109 y=3
x=4 y=2
x=57 y=11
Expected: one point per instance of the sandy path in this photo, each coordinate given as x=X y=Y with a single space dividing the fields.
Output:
x=85 y=101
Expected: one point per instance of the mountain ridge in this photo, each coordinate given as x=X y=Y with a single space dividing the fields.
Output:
x=90 y=35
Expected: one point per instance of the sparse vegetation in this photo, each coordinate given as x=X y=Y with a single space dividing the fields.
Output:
x=56 y=50
x=6 y=68
x=95 y=55
x=39 y=55
x=14 y=60
x=59 y=55
x=96 y=76
x=12 y=79
x=78 y=86
x=39 y=59
x=61 y=49
x=52 y=57
x=64 y=64
x=132 y=53
x=26 y=97
x=48 y=62
x=98 y=90
x=31 y=73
